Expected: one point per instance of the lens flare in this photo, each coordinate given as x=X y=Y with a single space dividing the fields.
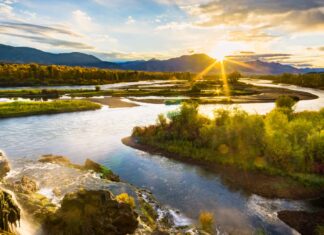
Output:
x=205 y=71
x=224 y=80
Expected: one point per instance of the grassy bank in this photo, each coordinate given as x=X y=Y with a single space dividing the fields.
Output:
x=18 y=109
x=281 y=143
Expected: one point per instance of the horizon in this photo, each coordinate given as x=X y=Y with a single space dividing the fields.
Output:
x=129 y=30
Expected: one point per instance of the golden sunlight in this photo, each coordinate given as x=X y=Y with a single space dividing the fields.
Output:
x=223 y=49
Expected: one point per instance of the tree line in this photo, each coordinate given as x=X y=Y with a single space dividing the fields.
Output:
x=35 y=74
x=314 y=80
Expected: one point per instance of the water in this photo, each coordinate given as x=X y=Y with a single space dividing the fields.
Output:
x=190 y=189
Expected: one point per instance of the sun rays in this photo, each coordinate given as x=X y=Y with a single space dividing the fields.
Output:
x=221 y=57
x=226 y=87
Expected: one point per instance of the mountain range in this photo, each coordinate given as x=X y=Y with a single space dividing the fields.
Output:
x=187 y=63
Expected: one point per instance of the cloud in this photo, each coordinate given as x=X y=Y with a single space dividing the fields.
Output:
x=130 y=20
x=52 y=41
x=81 y=17
x=82 y=22
x=36 y=29
x=250 y=35
x=174 y=26
x=129 y=56
x=249 y=56
x=6 y=10
x=296 y=13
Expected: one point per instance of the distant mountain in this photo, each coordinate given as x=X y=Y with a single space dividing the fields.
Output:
x=187 y=63
x=31 y=55
x=198 y=62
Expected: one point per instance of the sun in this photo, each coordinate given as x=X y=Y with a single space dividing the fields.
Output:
x=223 y=49
x=219 y=57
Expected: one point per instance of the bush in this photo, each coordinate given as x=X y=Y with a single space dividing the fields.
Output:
x=285 y=102
x=206 y=220
x=234 y=77
x=125 y=198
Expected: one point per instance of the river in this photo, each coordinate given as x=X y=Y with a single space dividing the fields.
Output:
x=189 y=189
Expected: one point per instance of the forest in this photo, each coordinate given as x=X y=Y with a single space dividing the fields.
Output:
x=280 y=142
x=313 y=80
x=35 y=75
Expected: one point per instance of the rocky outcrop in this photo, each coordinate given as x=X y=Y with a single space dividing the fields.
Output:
x=25 y=185
x=104 y=172
x=9 y=213
x=4 y=165
x=35 y=204
x=91 y=212
x=306 y=223
x=64 y=161
x=85 y=207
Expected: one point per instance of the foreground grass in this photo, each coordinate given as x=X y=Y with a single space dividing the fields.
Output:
x=18 y=109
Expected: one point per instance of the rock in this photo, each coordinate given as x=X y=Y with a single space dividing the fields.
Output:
x=64 y=161
x=306 y=223
x=57 y=192
x=4 y=165
x=9 y=213
x=25 y=185
x=91 y=212
x=158 y=232
x=104 y=172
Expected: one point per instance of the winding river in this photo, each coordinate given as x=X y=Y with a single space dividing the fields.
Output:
x=189 y=189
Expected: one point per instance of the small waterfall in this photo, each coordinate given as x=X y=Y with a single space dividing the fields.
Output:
x=25 y=226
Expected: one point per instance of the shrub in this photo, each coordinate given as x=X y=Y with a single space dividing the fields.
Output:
x=206 y=220
x=125 y=198
x=285 y=102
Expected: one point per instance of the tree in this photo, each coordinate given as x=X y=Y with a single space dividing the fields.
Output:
x=234 y=77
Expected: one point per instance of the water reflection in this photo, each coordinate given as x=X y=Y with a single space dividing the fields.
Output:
x=97 y=135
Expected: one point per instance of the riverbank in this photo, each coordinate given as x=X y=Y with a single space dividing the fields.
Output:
x=19 y=108
x=260 y=183
x=307 y=223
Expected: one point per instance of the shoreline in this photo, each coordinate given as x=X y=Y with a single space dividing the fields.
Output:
x=113 y=102
x=250 y=182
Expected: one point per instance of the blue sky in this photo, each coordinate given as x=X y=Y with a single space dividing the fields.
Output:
x=290 y=31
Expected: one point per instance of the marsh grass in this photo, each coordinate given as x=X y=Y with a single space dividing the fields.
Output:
x=22 y=108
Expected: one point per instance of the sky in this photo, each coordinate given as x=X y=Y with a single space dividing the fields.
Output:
x=285 y=31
